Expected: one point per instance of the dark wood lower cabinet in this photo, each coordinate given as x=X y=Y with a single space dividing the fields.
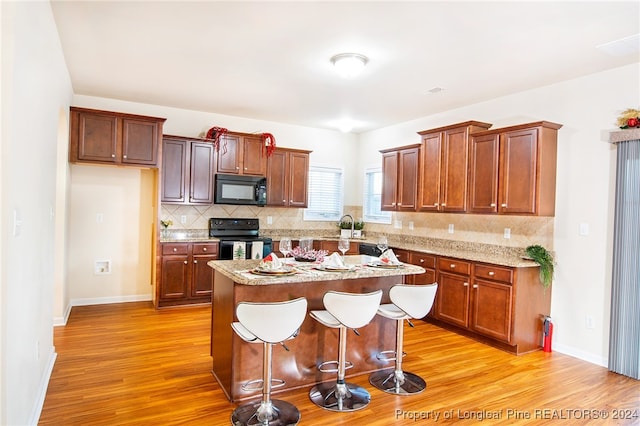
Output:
x=185 y=277
x=497 y=305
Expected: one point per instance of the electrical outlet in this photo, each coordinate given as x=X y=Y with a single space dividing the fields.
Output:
x=507 y=233
x=451 y=228
x=584 y=229
x=183 y=219
x=397 y=224
x=99 y=217
x=269 y=220
x=411 y=225
x=589 y=322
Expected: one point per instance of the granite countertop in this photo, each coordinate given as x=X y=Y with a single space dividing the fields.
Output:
x=477 y=252
x=238 y=271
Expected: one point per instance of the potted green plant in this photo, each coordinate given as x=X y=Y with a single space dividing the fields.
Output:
x=542 y=257
x=345 y=228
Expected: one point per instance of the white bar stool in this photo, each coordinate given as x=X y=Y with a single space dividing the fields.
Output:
x=269 y=324
x=409 y=301
x=343 y=311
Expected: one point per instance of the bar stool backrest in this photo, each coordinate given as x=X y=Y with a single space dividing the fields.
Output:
x=415 y=300
x=353 y=310
x=272 y=322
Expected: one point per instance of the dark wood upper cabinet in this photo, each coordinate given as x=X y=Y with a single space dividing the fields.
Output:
x=241 y=154
x=513 y=170
x=444 y=165
x=107 y=137
x=400 y=168
x=187 y=170
x=287 y=178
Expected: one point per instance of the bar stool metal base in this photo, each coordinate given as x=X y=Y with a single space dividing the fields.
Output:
x=340 y=397
x=278 y=413
x=397 y=382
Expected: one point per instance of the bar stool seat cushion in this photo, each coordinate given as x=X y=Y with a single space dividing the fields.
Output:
x=352 y=310
x=270 y=322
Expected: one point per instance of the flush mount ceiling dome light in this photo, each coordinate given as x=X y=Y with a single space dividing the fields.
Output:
x=349 y=64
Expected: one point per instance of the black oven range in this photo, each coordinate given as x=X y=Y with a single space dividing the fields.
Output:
x=238 y=230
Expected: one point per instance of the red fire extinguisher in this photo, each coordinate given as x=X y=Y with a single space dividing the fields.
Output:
x=548 y=334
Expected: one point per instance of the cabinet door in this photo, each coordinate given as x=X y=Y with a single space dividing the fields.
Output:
x=298 y=179
x=98 y=137
x=431 y=172
x=174 y=166
x=455 y=160
x=277 y=188
x=452 y=300
x=201 y=174
x=428 y=262
x=408 y=161
x=175 y=276
x=202 y=277
x=139 y=142
x=483 y=174
x=491 y=309
x=389 y=180
x=517 y=187
x=229 y=154
x=253 y=156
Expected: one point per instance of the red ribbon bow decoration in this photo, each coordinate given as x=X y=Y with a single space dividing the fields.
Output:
x=214 y=134
x=269 y=143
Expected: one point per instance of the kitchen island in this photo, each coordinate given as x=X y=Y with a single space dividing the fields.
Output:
x=236 y=362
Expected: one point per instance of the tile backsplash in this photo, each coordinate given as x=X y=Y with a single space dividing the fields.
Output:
x=487 y=229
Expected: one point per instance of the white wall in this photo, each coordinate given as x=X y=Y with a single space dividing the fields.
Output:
x=585 y=189
x=36 y=93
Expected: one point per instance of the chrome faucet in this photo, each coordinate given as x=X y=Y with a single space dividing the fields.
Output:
x=352 y=222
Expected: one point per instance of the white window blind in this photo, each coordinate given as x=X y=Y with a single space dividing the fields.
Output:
x=372 y=197
x=325 y=194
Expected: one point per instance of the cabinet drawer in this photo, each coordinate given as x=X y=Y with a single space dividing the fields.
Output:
x=494 y=273
x=424 y=260
x=205 y=248
x=454 y=265
x=175 y=248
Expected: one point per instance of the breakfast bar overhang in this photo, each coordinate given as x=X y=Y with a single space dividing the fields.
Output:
x=236 y=362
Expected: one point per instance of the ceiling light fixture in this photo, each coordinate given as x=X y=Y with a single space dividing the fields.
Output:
x=349 y=64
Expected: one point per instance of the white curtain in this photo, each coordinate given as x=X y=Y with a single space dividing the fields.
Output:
x=624 y=342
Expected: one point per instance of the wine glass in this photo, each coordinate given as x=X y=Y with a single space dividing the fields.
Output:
x=343 y=245
x=284 y=246
x=382 y=244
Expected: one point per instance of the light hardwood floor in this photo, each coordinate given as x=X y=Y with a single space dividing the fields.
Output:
x=129 y=364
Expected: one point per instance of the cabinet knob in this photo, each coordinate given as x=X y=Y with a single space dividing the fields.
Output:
x=195 y=261
x=204 y=249
x=113 y=156
x=185 y=262
x=503 y=205
x=399 y=204
x=443 y=205
x=466 y=284
x=421 y=260
x=435 y=204
x=393 y=204
x=246 y=168
x=175 y=249
x=124 y=156
x=492 y=205
x=237 y=168
x=475 y=286
x=491 y=273
x=452 y=266
x=284 y=201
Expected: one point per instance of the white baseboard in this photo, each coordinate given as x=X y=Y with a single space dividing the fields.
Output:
x=42 y=388
x=585 y=356
x=60 y=321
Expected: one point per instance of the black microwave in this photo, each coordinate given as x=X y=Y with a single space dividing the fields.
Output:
x=239 y=189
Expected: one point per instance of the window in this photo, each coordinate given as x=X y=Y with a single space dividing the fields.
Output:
x=325 y=194
x=372 y=199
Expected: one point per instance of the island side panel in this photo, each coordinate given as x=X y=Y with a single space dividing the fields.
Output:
x=222 y=315
x=315 y=343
